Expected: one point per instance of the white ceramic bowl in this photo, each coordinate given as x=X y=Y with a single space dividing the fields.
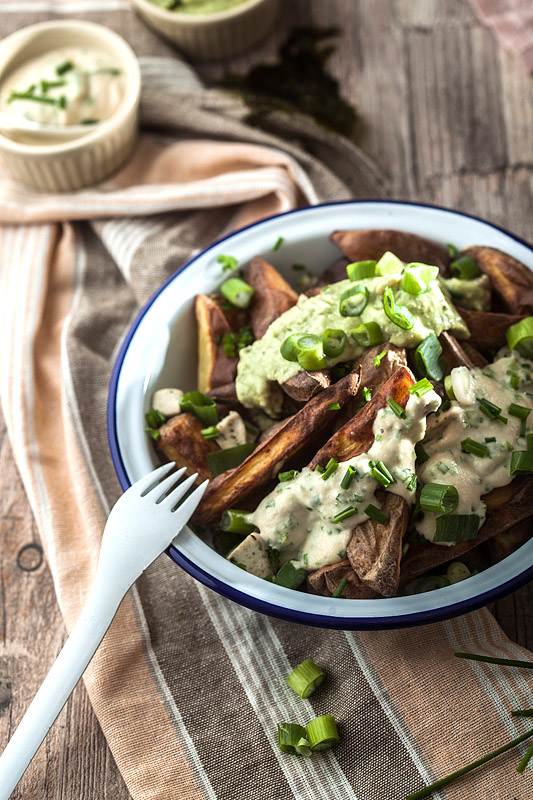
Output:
x=159 y=351
x=67 y=166
x=219 y=35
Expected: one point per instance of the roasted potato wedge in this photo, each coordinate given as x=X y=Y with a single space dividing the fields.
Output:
x=269 y=457
x=371 y=244
x=487 y=330
x=511 y=280
x=375 y=549
x=503 y=544
x=453 y=353
x=335 y=272
x=180 y=440
x=325 y=580
x=304 y=385
x=272 y=295
x=215 y=368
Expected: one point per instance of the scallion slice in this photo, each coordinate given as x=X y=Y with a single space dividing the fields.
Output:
x=222 y=460
x=360 y=270
x=306 y=678
x=522 y=412
x=380 y=472
x=289 y=475
x=64 y=67
x=367 y=394
x=378 y=358
x=452 y=250
x=389 y=264
x=334 y=407
x=367 y=334
x=333 y=342
x=289 y=736
x=290 y=576
x=491 y=410
x=340 y=588
x=417 y=277
x=457 y=572
x=478 y=449
x=439 y=497
x=396 y=407
x=530 y=442
x=237 y=292
x=322 y=733
x=448 y=387
x=210 y=433
x=310 y=352
x=464 y=268
x=289 y=348
x=349 y=511
x=376 y=513
x=428 y=361
x=349 y=475
x=421 y=388
x=399 y=315
x=353 y=301
x=521 y=462
x=455 y=528
x=331 y=467
x=421 y=455
x=520 y=337
x=201 y=406
x=234 y=520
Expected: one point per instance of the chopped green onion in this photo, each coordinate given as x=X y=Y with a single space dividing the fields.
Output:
x=456 y=528
x=310 y=352
x=421 y=455
x=464 y=268
x=527 y=758
x=64 y=67
x=290 y=576
x=367 y=394
x=283 y=477
x=380 y=472
x=421 y=388
x=237 y=292
x=457 y=571
x=331 y=467
x=530 y=442
x=360 y=270
x=389 y=264
x=37 y=98
x=349 y=475
x=289 y=736
x=306 y=678
x=333 y=342
x=273 y=555
x=505 y=662
x=201 y=406
x=322 y=733
x=452 y=250
x=522 y=412
x=396 y=407
x=320 y=469
x=417 y=277
x=411 y=482
x=154 y=418
x=522 y=462
x=289 y=348
x=439 y=497
x=229 y=263
x=353 y=301
x=520 y=337
x=278 y=243
x=428 y=361
x=210 y=433
x=489 y=439
x=367 y=334
x=522 y=712
x=399 y=315
x=491 y=410
x=448 y=387
x=334 y=407
x=349 y=511
x=222 y=460
x=475 y=448
x=340 y=588
x=377 y=359
x=234 y=520
x=45 y=85
x=376 y=513
x=153 y=432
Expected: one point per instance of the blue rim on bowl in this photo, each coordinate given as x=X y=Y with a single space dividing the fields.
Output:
x=130 y=386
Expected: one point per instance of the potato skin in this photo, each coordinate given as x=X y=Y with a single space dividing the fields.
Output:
x=488 y=329
x=511 y=280
x=215 y=368
x=272 y=295
x=371 y=244
x=325 y=580
x=181 y=440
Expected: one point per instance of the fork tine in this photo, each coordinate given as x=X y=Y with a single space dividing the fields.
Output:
x=188 y=507
x=177 y=493
x=158 y=491
x=147 y=482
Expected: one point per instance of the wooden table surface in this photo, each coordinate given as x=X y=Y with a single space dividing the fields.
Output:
x=448 y=117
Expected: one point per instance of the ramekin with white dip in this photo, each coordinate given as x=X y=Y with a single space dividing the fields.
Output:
x=60 y=74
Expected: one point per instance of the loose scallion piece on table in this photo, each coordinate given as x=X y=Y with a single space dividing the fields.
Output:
x=360 y=270
x=201 y=406
x=235 y=520
x=506 y=662
x=522 y=712
x=289 y=475
x=333 y=342
x=322 y=733
x=464 y=268
x=521 y=462
x=349 y=475
x=428 y=361
x=340 y=588
x=289 y=736
x=378 y=358
x=399 y=315
x=527 y=758
x=464 y=770
x=237 y=292
x=306 y=678
x=290 y=576
x=520 y=337
x=456 y=528
x=222 y=460
x=353 y=301
x=349 y=511
x=367 y=333
x=439 y=497
x=228 y=263
x=478 y=449
x=421 y=387
x=376 y=513
x=331 y=467
x=396 y=407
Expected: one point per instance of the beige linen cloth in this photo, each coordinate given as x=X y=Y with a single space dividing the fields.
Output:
x=187 y=686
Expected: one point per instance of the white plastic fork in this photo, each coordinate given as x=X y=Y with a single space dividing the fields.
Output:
x=142 y=524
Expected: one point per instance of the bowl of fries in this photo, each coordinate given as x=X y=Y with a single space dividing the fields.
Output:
x=178 y=364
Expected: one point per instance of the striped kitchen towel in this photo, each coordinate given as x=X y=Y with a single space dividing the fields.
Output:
x=187 y=686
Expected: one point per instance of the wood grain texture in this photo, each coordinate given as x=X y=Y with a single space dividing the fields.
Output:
x=448 y=117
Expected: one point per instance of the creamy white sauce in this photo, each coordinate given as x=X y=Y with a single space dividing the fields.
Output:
x=296 y=518
x=474 y=476
x=88 y=92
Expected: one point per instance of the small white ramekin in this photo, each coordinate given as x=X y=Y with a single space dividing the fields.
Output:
x=212 y=36
x=70 y=165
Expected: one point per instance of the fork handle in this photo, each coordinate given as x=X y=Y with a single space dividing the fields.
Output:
x=96 y=616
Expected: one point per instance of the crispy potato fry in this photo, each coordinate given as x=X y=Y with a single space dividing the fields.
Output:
x=453 y=353
x=487 y=330
x=375 y=549
x=503 y=544
x=273 y=295
x=511 y=280
x=180 y=440
x=356 y=436
x=304 y=385
x=506 y=506
x=226 y=394
x=214 y=367
x=371 y=244
x=269 y=457
x=326 y=579
x=335 y=272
